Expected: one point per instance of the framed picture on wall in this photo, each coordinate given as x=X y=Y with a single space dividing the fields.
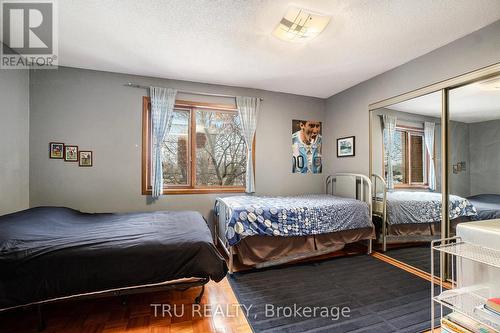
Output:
x=85 y=159
x=56 y=150
x=71 y=153
x=306 y=146
x=346 y=147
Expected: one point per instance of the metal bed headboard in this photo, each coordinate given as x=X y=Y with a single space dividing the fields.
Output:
x=350 y=185
x=379 y=195
x=380 y=205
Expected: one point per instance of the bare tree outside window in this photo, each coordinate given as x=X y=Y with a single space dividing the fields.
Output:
x=176 y=150
x=410 y=157
x=220 y=149
x=399 y=161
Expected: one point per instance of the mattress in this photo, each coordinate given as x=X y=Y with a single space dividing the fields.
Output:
x=50 y=252
x=413 y=207
x=290 y=216
x=487 y=206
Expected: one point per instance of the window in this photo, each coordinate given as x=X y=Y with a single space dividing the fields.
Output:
x=204 y=151
x=410 y=163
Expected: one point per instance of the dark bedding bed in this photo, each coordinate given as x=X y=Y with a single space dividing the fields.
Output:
x=487 y=206
x=50 y=252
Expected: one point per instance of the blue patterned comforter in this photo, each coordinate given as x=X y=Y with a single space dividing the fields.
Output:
x=404 y=207
x=290 y=216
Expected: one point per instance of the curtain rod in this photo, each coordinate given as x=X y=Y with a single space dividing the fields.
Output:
x=135 y=85
x=416 y=120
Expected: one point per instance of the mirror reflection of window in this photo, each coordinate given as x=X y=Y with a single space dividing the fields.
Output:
x=410 y=157
x=406 y=177
x=406 y=144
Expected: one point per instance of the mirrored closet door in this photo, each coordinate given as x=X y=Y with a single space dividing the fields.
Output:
x=474 y=152
x=406 y=175
x=440 y=144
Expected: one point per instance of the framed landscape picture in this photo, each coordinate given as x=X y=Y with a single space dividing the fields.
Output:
x=346 y=146
x=71 y=153
x=56 y=150
x=85 y=159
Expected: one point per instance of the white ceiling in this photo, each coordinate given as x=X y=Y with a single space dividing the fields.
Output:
x=230 y=41
x=469 y=104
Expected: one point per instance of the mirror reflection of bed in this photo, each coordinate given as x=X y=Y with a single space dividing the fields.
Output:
x=406 y=168
x=406 y=177
x=474 y=113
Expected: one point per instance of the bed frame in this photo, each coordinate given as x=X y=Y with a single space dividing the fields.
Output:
x=347 y=185
x=179 y=284
x=380 y=210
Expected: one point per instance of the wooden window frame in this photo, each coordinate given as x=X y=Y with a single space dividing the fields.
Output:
x=146 y=151
x=425 y=168
x=409 y=131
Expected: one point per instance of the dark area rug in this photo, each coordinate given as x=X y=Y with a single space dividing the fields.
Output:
x=418 y=256
x=380 y=297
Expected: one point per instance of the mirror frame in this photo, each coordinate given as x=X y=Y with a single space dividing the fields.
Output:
x=444 y=86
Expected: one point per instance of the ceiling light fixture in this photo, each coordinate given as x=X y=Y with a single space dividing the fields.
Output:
x=300 y=25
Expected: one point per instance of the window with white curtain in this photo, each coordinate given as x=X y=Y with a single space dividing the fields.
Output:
x=411 y=159
x=203 y=152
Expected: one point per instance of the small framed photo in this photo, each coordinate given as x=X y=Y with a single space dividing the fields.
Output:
x=56 y=150
x=346 y=147
x=85 y=159
x=71 y=153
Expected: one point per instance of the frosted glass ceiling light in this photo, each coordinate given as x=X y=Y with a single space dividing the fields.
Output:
x=300 y=25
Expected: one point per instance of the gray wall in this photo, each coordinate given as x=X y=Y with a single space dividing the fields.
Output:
x=347 y=112
x=478 y=144
x=484 y=157
x=95 y=111
x=14 y=143
x=459 y=151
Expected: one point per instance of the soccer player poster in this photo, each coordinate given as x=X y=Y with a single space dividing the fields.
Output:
x=306 y=146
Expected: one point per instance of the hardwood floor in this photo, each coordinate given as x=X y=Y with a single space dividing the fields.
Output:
x=111 y=315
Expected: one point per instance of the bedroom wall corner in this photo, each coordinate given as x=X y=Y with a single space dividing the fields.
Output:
x=14 y=140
